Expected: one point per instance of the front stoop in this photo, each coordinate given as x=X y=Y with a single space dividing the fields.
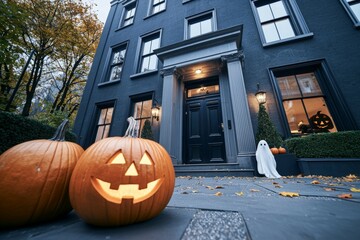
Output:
x=213 y=170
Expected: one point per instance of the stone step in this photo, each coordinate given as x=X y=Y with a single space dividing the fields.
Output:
x=210 y=166
x=216 y=173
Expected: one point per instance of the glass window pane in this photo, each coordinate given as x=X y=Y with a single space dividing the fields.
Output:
x=285 y=29
x=194 y=30
x=99 y=133
x=308 y=84
x=147 y=47
x=356 y=9
x=161 y=7
x=319 y=115
x=265 y=13
x=155 y=44
x=145 y=64
x=156 y=2
x=206 y=26
x=106 y=131
x=278 y=9
x=102 y=116
x=137 y=110
x=289 y=87
x=109 y=115
x=270 y=32
x=146 y=113
x=128 y=22
x=152 y=62
x=296 y=116
x=115 y=73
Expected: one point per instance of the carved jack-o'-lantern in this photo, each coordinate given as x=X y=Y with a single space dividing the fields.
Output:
x=122 y=180
x=321 y=121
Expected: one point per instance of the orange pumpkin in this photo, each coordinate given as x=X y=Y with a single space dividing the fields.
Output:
x=35 y=178
x=282 y=150
x=122 y=180
x=274 y=150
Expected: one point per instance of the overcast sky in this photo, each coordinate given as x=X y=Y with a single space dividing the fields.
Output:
x=102 y=9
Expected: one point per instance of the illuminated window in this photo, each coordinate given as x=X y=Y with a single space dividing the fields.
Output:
x=104 y=123
x=142 y=113
x=305 y=104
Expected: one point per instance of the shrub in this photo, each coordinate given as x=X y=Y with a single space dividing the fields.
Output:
x=266 y=129
x=326 y=145
x=15 y=129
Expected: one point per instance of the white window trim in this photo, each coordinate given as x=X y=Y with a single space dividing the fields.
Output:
x=190 y=18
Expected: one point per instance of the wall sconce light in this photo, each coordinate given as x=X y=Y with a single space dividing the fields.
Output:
x=260 y=95
x=155 y=110
x=198 y=71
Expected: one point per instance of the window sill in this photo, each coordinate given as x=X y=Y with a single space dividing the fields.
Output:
x=108 y=83
x=293 y=39
x=143 y=74
x=153 y=14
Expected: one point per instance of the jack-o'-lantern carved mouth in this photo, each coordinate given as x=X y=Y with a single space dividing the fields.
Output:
x=126 y=191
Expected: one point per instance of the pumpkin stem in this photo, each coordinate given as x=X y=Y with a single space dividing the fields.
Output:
x=131 y=130
x=60 y=131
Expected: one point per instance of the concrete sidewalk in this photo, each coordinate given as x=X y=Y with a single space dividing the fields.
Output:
x=232 y=208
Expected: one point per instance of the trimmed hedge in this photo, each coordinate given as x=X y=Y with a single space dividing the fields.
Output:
x=15 y=129
x=326 y=145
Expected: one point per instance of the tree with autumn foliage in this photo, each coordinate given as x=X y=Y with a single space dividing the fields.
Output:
x=62 y=36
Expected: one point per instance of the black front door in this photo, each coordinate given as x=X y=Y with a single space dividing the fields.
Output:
x=203 y=131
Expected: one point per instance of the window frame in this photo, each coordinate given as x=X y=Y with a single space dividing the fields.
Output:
x=132 y=5
x=354 y=18
x=148 y=96
x=109 y=66
x=139 y=62
x=99 y=108
x=335 y=102
x=199 y=16
x=153 y=5
x=295 y=17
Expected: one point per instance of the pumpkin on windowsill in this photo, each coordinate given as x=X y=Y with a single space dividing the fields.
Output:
x=282 y=150
x=35 y=178
x=122 y=180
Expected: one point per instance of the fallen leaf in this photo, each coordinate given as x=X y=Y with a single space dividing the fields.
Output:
x=239 y=193
x=219 y=187
x=218 y=194
x=315 y=182
x=278 y=186
x=275 y=183
x=345 y=195
x=195 y=191
x=210 y=187
x=289 y=194
x=254 y=190
x=184 y=193
x=329 y=189
x=355 y=189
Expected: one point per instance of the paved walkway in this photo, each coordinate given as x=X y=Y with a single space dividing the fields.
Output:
x=232 y=208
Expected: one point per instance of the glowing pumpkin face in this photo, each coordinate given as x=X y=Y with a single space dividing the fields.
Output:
x=119 y=181
x=132 y=191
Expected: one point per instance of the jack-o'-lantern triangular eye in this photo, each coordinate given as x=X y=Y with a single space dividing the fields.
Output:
x=118 y=158
x=146 y=159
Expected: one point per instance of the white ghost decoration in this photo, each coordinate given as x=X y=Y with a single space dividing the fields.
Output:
x=266 y=163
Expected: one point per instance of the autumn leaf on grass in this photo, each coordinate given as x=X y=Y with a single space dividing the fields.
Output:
x=355 y=189
x=345 y=195
x=239 y=194
x=218 y=194
x=315 y=182
x=289 y=194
